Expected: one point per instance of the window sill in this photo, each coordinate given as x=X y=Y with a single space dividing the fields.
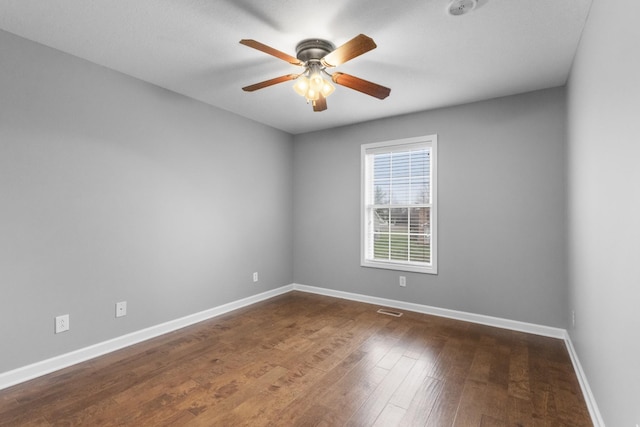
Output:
x=400 y=267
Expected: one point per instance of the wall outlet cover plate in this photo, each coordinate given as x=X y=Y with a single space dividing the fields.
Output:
x=62 y=323
x=121 y=309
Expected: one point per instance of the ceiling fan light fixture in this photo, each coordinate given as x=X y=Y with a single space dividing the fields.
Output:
x=313 y=86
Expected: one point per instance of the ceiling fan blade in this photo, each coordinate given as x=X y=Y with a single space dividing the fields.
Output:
x=270 y=82
x=271 y=51
x=320 y=104
x=355 y=47
x=361 y=85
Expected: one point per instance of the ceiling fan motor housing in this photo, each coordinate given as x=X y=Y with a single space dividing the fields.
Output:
x=313 y=49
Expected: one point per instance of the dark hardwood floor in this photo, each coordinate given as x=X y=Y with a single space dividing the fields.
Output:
x=308 y=360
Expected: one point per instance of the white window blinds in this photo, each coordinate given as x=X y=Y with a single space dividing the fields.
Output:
x=398 y=186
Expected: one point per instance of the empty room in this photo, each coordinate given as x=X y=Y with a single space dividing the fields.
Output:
x=319 y=213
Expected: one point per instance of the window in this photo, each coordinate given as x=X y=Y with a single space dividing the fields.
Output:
x=399 y=216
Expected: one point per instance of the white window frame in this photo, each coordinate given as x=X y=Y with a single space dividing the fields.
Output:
x=386 y=146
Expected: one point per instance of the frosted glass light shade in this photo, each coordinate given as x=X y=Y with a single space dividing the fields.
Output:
x=301 y=85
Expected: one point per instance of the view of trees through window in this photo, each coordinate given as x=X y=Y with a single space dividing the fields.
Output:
x=401 y=211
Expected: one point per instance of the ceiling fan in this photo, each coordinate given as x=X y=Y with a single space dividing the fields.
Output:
x=316 y=56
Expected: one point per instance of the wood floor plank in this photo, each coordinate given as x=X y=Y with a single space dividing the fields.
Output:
x=480 y=368
x=370 y=410
x=158 y=409
x=445 y=408
x=488 y=421
x=307 y=403
x=404 y=394
x=34 y=422
x=519 y=371
x=315 y=416
x=481 y=399
x=98 y=413
x=355 y=389
x=23 y=417
x=425 y=398
x=521 y=413
x=391 y=416
x=347 y=394
x=217 y=410
x=279 y=394
x=454 y=360
x=300 y=359
x=499 y=371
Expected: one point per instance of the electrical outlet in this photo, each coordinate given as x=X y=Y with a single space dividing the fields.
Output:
x=403 y=281
x=62 y=323
x=121 y=309
x=255 y=276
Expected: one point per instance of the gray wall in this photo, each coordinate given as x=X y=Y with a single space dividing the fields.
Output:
x=502 y=231
x=604 y=189
x=113 y=189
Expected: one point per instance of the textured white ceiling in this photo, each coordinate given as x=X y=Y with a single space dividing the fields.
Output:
x=428 y=58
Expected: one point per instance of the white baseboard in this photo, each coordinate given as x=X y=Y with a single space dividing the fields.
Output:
x=498 y=322
x=16 y=376
x=25 y=373
x=590 y=400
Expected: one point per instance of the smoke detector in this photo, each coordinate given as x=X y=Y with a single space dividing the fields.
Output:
x=461 y=7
